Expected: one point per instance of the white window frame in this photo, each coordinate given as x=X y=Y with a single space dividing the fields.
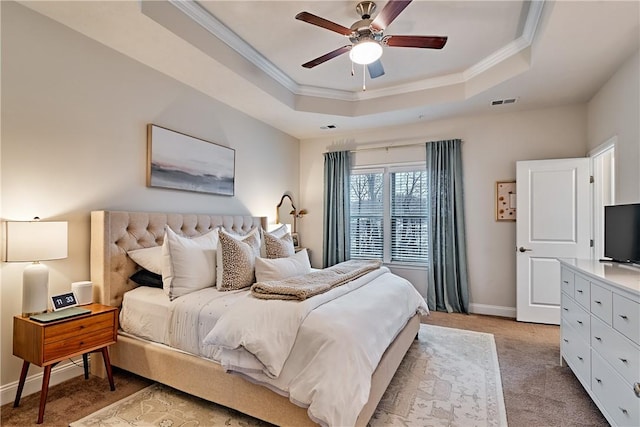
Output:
x=386 y=171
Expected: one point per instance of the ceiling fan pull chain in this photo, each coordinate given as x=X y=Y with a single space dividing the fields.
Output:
x=364 y=78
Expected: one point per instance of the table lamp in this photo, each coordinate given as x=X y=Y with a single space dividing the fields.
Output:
x=35 y=241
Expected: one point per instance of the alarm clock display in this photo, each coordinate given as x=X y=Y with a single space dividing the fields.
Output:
x=65 y=300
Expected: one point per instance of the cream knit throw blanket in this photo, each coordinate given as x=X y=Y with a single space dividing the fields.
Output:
x=314 y=283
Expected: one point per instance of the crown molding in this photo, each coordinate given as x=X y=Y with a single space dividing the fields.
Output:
x=209 y=22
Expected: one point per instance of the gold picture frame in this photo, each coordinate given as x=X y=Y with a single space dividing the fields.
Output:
x=506 y=201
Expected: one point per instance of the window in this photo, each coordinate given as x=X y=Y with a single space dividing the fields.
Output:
x=388 y=214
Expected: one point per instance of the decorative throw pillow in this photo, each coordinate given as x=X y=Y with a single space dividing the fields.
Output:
x=278 y=247
x=282 y=268
x=236 y=260
x=148 y=258
x=188 y=264
x=147 y=278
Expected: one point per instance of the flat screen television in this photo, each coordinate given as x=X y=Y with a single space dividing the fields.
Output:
x=622 y=233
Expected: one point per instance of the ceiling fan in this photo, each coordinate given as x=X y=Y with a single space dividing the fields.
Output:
x=367 y=36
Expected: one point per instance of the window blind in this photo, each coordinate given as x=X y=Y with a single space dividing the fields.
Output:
x=366 y=215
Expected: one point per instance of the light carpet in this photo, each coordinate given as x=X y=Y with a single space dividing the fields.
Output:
x=449 y=377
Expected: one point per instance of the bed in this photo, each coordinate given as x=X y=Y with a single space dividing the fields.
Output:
x=114 y=233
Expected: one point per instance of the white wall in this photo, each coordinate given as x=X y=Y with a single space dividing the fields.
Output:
x=74 y=117
x=492 y=145
x=615 y=111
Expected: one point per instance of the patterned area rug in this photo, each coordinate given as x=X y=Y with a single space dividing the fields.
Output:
x=449 y=377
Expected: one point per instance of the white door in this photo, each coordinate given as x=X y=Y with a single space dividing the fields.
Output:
x=552 y=222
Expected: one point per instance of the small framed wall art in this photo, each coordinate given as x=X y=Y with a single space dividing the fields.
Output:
x=505 y=201
x=182 y=162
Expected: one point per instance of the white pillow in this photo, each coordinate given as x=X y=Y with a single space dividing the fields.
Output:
x=280 y=231
x=148 y=258
x=236 y=259
x=282 y=268
x=188 y=264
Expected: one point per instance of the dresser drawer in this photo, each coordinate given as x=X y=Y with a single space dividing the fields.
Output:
x=601 y=303
x=577 y=317
x=577 y=353
x=566 y=281
x=621 y=353
x=626 y=317
x=616 y=396
x=582 y=289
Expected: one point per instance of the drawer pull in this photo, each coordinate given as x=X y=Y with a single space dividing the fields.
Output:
x=565 y=281
x=580 y=358
x=580 y=322
x=598 y=338
x=599 y=380
x=636 y=389
x=565 y=340
x=623 y=316
x=623 y=360
x=598 y=302
x=565 y=308
x=579 y=291
x=624 y=411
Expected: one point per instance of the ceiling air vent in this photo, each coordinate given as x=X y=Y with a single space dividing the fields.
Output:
x=504 y=101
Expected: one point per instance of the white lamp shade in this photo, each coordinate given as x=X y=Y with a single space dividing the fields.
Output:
x=366 y=52
x=35 y=240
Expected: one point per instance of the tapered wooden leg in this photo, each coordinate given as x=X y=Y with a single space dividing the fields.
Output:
x=85 y=363
x=23 y=377
x=43 y=393
x=107 y=366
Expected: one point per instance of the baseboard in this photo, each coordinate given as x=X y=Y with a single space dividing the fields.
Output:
x=33 y=384
x=493 y=310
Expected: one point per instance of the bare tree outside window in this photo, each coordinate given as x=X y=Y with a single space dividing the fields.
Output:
x=407 y=220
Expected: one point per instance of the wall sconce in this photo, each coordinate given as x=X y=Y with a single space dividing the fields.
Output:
x=299 y=214
x=35 y=241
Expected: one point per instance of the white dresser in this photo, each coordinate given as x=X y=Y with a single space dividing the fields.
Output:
x=600 y=334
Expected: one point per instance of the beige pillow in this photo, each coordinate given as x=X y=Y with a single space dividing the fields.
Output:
x=282 y=268
x=278 y=247
x=188 y=264
x=236 y=257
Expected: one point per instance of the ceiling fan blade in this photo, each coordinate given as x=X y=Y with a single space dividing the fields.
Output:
x=428 y=42
x=390 y=12
x=323 y=23
x=319 y=60
x=375 y=69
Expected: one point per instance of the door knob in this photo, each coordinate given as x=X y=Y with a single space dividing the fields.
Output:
x=523 y=249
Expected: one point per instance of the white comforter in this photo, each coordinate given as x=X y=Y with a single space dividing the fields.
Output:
x=327 y=349
x=321 y=354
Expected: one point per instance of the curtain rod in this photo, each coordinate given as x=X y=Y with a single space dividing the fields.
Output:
x=383 y=147
x=387 y=147
x=380 y=147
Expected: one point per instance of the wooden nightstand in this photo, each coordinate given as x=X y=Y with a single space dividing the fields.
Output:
x=46 y=344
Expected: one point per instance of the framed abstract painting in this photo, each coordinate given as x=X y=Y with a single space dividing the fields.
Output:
x=183 y=162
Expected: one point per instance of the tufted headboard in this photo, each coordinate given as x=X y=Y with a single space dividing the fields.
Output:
x=114 y=233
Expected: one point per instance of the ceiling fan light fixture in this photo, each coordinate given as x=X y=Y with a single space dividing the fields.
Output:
x=365 y=52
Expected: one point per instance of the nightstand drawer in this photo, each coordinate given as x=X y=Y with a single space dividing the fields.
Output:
x=81 y=326
x=81 y=344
